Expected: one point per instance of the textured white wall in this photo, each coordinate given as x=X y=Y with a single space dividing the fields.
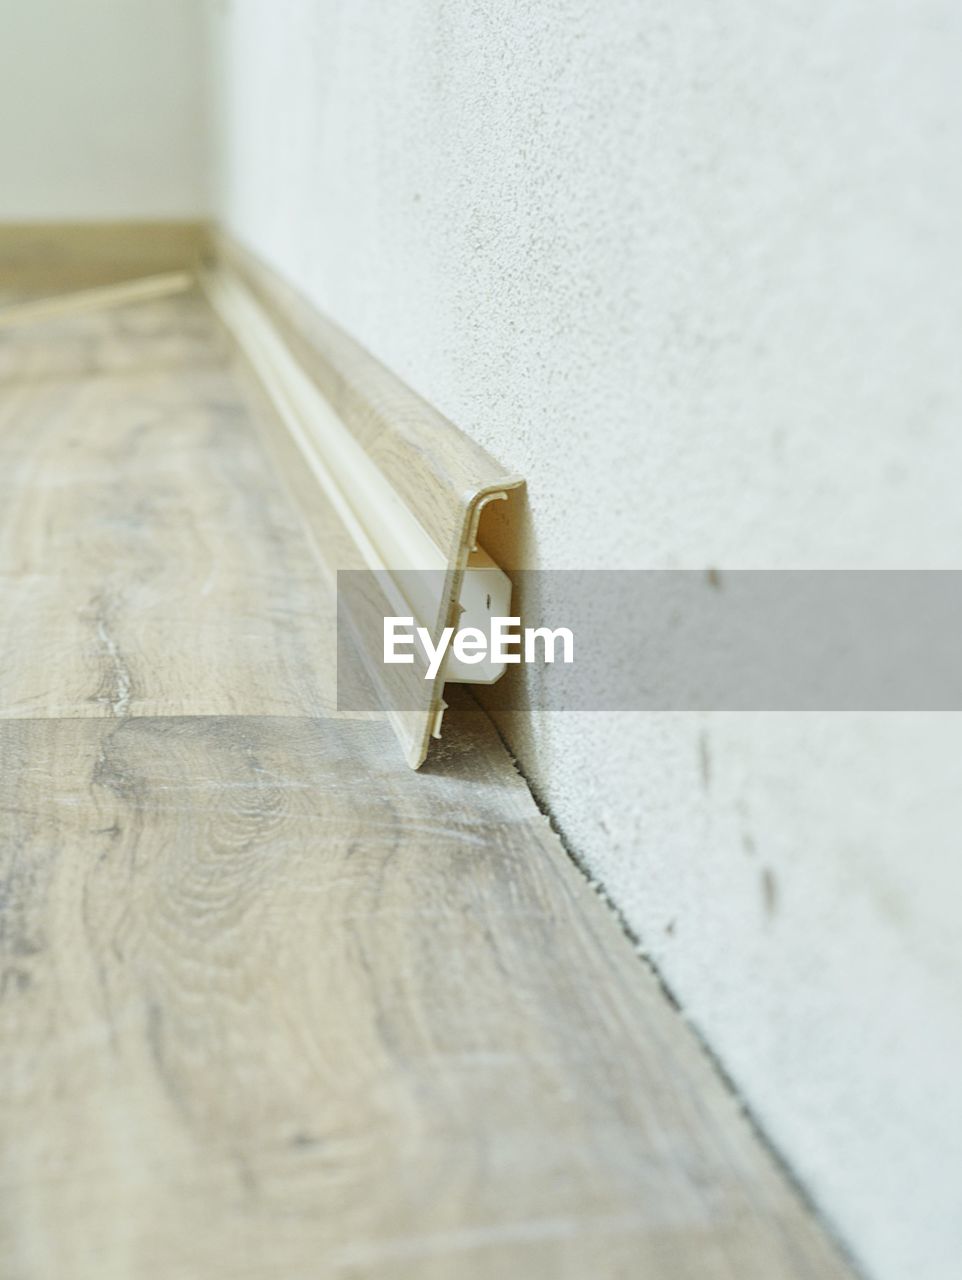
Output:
x=696 y=271
x=101 y=109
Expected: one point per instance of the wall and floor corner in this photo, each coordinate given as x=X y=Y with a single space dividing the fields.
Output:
x=701 y=269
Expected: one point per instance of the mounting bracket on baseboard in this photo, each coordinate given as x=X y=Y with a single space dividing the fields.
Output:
x=388 y=485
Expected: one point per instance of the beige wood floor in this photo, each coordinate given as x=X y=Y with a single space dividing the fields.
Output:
x=271 y=1005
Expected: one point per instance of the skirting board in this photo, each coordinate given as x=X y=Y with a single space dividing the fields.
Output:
x=36 y=310
x=53 y=257
x=386 y=483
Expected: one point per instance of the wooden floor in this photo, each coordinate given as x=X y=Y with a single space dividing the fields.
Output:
x=272 y=1005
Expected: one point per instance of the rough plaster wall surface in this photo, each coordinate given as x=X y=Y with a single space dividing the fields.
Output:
x=694 y=271
x=102 y=108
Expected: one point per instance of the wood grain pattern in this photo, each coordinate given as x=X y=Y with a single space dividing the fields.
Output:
x=150 y=559
x=176 y=333
x=272 y=1006
x=366 y=443
x=275 y=1006
x=438 y=471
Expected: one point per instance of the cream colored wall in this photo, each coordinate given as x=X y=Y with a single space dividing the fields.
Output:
x=102 y=110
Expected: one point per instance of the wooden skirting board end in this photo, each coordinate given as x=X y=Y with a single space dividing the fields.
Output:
x=386 y=483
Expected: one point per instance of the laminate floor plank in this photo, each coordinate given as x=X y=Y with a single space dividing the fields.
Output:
x=275 y=1006
x=177 y=332
x=150 y=560
x=272 y=1006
